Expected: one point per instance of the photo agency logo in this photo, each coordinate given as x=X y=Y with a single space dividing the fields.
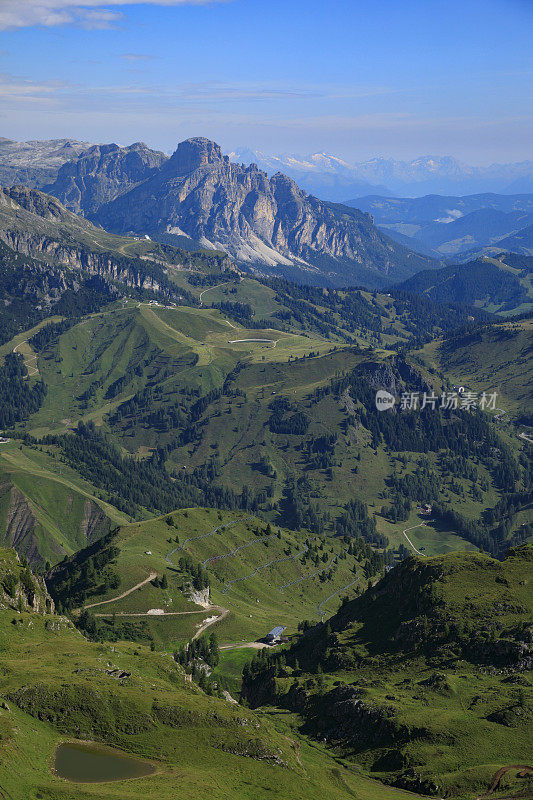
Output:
x=384 y=400
x=462 y=399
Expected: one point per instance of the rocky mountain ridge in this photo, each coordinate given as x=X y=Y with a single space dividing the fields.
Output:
x=21 y=589
x=35 y=163
x=37 y=225
x=333 y=178
x=268 y=224
x=102 y=173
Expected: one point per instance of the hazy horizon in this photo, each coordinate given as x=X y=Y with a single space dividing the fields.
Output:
x=296 y=77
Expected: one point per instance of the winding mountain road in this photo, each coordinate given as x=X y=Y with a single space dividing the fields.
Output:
x=29 y=367
x=151 y=613
x=209 y=288
x=139 y=585
x=524 y=768
x=223 y=611
x=420 y=525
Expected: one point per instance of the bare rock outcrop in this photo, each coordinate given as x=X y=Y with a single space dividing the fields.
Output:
x=269 y=224
x=103 y=172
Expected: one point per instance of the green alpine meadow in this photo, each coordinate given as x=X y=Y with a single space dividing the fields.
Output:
x=266 y=400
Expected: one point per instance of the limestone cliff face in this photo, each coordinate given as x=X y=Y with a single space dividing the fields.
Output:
x=35 y=224
x=102 y=264
x=102 y=173
x=263 y=222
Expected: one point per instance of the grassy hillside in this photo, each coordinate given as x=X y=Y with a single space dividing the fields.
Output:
x=423 y=679
x=198 y=474
x=206 y=406
x=58 y=687
x=345 y=315
x=500 y=285
x=109 y=357
x=45 y=519
x=46 y=509
x=496 y=358
x=259 y=576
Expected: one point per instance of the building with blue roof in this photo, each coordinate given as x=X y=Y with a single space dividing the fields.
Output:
x=274 y=635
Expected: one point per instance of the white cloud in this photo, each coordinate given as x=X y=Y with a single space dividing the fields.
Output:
x=87 y=13
x=14 y=90
x=453 y=214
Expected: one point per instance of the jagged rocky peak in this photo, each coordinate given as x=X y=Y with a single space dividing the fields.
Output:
x=194 y=153
x=261 y=221
x=199 y=193
x=285 y=188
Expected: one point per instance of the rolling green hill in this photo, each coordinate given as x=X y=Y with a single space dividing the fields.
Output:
x=500 y=285
x=194 y=406
x=200 y=457
x=58 y=688
x=423 y=679
x=346 y=315
x=253 y=576
x=495 y=358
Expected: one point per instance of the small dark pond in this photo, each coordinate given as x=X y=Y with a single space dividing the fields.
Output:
x=91 y=763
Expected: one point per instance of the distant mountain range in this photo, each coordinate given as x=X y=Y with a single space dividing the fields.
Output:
x=332 y=178
x=454 y=227
x=319 y=174
x=329 y=177
x=199 y=198
x=35 y=163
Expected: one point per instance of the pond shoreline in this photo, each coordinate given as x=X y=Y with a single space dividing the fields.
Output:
x=105 y=751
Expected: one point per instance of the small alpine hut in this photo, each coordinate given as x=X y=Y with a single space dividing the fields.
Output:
x=275 y=635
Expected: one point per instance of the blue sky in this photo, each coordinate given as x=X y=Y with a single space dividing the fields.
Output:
x=398 y=78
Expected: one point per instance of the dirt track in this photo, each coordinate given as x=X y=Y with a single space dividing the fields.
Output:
x=151 y=576
x=498 y=776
